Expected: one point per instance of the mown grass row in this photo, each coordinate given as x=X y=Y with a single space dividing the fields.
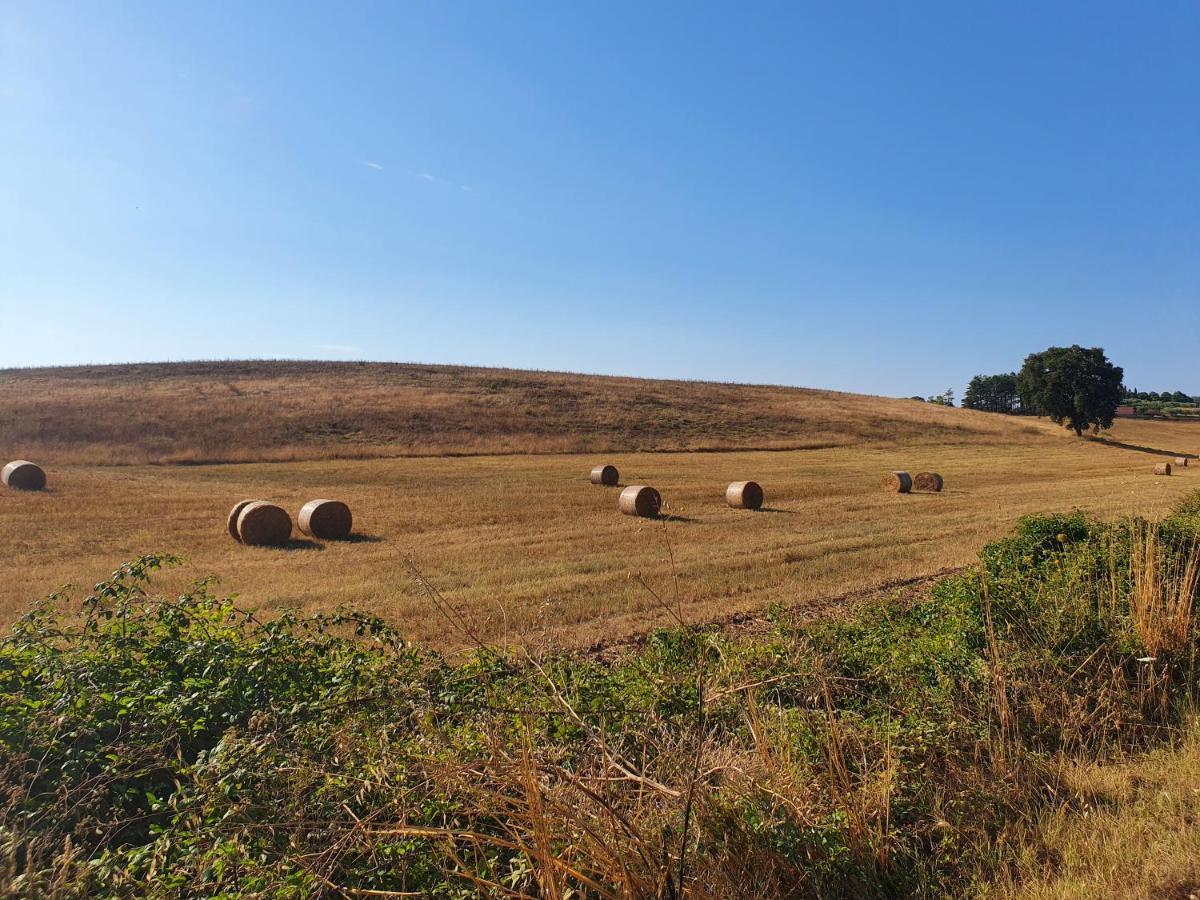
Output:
x=180 y=747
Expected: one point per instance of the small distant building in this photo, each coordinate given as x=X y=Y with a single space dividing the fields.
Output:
x=1126 y=412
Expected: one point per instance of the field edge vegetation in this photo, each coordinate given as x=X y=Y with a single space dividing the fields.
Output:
x=173 y=746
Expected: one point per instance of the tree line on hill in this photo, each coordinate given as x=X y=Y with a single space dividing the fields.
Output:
x=1133 y=395
x=1074 y=386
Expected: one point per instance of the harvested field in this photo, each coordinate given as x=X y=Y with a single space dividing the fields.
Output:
x=564 y=569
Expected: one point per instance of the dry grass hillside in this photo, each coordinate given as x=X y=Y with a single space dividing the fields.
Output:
x=282 y=411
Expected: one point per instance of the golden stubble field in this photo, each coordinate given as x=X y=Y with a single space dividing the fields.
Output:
x=534 y=553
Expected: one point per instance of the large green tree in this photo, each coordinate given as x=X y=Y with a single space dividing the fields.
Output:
x=1074 y=386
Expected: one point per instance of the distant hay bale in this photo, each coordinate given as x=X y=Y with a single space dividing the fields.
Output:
x=22 y=475
x=744 y=495
x=896 y=482
x=640 y=500
x=1162 y=469
x=928 y=481
x=329 y=520
x=263 y=524
x=606 y=475
x=232 y=522
x=1181 y=461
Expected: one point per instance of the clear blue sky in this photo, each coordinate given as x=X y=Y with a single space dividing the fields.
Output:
x=881 y=197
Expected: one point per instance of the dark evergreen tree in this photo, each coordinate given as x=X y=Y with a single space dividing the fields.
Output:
x=993 y=393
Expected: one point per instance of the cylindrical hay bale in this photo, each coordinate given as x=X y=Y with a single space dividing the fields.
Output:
x=232 y=522
x=896 y=482
x=1181 y=461
x=744 y=495
x=640 y=500
x=22 y=475
x=928 y=481
x=262 y=523
x=329 y=520
x=606 y=475
x=1162 y=469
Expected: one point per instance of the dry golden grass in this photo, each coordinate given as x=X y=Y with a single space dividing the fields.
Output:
x=533 y=551
x=1138 y=837
x=282 y=411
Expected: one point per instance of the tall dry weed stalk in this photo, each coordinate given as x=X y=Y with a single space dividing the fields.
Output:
x=1005 y=737
x=1162 y=593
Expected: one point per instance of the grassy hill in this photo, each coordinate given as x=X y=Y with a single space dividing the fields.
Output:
x=274 y=411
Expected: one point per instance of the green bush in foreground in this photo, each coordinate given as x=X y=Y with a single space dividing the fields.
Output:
x=181 y=747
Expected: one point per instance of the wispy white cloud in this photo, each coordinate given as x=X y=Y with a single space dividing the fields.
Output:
x=339 y=348
x=434 y=179
x=371 y=165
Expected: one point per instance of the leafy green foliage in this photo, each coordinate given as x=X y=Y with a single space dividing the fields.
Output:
x=945 y=398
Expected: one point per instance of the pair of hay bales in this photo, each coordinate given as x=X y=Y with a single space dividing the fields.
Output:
x=22 y=475
x=1164 y=468
x=903 y=483
x=635 y=499
x=643 y=500
x=262 y=524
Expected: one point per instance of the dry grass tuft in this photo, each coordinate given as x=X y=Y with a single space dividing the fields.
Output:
x=1136 y=835
x=1163 y=595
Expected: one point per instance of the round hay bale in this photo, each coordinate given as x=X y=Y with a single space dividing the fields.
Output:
x=1162 y=469
x=263 y=524
x=928 y=481
x=606 y=475
x=640 y=500
x=232 y=522
x=1181 y=461
x=329 y=520
x=896 y=482
x=22 y=475
x=744 y=495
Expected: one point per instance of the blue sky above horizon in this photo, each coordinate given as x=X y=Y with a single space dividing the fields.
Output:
x=876 y=197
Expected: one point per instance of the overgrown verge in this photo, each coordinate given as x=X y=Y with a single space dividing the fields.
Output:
x=181 y=747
